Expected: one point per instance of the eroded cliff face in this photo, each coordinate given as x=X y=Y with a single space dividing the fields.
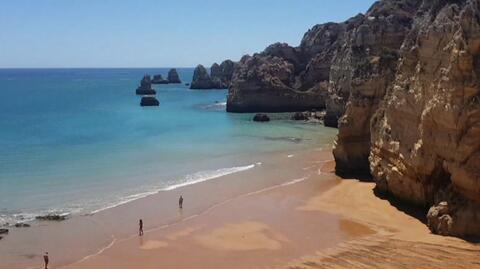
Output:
x=220 y=76
x=284 y=78
x=361 y=72
x=402 y=84
x=426 y=133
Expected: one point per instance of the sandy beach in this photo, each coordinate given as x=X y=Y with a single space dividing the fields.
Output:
x=291 y=211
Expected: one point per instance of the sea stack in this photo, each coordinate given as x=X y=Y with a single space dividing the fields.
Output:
x=173 y=76
x=149 y=101
x=145 y=86
x=220 y=76
x=201 y=79
x=158 y=79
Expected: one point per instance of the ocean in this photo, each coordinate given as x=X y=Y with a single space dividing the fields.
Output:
x=76 y=141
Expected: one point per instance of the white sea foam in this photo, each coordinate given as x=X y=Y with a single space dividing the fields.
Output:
x=198 y=177
x=208 y=175
x=195 y=178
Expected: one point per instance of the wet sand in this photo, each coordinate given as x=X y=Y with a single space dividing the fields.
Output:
x=288 y=212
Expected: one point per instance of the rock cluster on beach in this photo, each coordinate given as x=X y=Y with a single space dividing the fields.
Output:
x=401 y=83
x=219 y=78
x=51 y=217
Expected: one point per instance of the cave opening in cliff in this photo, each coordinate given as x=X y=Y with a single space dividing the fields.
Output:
x=440 y=182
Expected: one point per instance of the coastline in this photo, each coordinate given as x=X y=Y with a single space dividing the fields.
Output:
x=289 y=212
x=21 y=248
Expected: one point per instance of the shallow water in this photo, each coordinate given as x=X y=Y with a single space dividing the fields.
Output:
x=77 y=141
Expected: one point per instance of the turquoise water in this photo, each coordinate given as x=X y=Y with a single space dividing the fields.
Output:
x=76 y=140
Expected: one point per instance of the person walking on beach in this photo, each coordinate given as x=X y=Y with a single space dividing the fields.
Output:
x=180 y=202
x=140 y=227
x=45 y=260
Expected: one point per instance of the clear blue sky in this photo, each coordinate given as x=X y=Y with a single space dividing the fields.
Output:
x=154 y=33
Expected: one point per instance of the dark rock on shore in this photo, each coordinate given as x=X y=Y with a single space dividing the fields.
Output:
x=51 y=217
x=3 y=231
x=311 y=116
x=22 y=225
x=261 y=118
x=145 y=87
x=158 y=79
x=149 y=101
x=173 y=76
x=300 y=116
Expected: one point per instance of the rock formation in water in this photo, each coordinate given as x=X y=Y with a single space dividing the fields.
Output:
x=222 y=74
x=149 y=101
x=145 y=86
x=173 y=76
x=219 y=78
x=158 y=79
x=402 y=84
x=201 y=79
x=261 y=117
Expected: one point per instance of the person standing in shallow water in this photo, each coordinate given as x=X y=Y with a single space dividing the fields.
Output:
x=46 y=260
x=140 y=227
x=180 y=202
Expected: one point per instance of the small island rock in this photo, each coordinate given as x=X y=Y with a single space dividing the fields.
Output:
x=158 y=79
x=201 y=78
x=149 y=101
x=173 y=76
x=145 y=86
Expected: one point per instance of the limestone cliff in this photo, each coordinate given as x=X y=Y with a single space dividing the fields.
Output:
x=425 y=142
x=361 y=72
x=401 y=82
x=284 y=78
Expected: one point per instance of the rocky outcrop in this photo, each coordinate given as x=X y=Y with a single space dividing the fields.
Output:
x=51 y=217
x=201 y=79
x=219 y=78
x=310 y=116
x=145 y=87
x=222 y=74
x=284 y=78
x=158 y=79
x=173 y=76
x=22 y=225
x=261 y=117
x=149 y=101
x=425 y=135
x=3 y=231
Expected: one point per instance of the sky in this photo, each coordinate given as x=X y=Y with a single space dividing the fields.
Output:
x=154 y=33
